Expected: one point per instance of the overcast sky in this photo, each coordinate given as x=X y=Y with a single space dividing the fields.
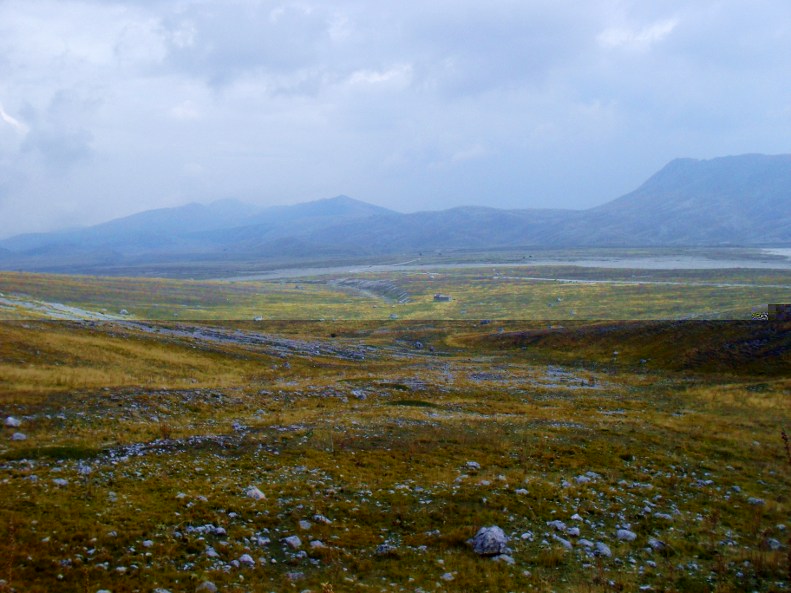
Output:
x=111 y=107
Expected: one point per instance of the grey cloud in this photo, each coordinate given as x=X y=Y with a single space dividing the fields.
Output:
x=409 y=104
x=223 y=41
x=60 y=149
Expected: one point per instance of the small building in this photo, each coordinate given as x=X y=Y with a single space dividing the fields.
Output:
x=442 y=298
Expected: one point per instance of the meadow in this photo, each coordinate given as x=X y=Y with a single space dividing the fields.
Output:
x=346 y=432
x=615 y=456
x=499 y=292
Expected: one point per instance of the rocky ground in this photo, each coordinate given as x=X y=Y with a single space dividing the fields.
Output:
x=383 y=458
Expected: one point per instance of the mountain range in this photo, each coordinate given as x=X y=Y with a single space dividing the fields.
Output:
x=739 y=200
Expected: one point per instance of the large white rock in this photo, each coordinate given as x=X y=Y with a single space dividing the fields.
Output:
x=490 y=541
x=12 y=422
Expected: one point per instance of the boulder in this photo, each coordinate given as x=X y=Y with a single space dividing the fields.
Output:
x=490 y=541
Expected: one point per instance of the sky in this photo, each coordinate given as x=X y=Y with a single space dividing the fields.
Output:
x=112 y=107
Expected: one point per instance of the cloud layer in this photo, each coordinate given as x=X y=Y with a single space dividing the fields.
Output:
x=110 y=107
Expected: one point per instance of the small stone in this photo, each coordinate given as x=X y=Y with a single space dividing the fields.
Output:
x=557 y=525
x=211 y=552
x=305 y=525
x=656 y=545
x=490 y=541
x=254 y=493
x=293 y=542
x=321 y=519
x=448 y=576
x=582 y=479
x=148 y=543
x=755 y=501
x=473 y=465
x=317 y=544
x=385 y=549
x=585 y=543
x=663 y=516
x=19 y=436
x=563 y=542
x=773 y=544
x=206 y=587
x=12 y=422
x=626 y=535
x=573 y=531
x=60 y=482
x=521 y=492
x=504 y=558
x=603 y=549
x=246 y=560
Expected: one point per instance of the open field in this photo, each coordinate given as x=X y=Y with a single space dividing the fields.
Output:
x=497 y=292
x=142 y=440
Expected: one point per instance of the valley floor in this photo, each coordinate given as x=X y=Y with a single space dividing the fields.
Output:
x=362 y=456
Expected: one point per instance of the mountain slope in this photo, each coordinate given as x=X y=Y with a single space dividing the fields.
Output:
x=741 y=200
x=730 y=200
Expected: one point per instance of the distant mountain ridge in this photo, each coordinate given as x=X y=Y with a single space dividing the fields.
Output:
x=738 y=200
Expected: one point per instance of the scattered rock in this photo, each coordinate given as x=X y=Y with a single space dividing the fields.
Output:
x=305 y=525
x=772 y=544
x=505 y=558
x=626 y=535
x=656 y=544
x=246 y=560
x=12 y=422
x=317 y=544
x=473 y=465
x=490 y=541
x=148 y=544
x=293 y=542
x=60 y=482
x=557 y=525
x=206 y=587
x=19 y=436
x=448 y=576
x=254 y=493
x=563 y=542
x=321 y=519
x=385 y=549
x=603 y=549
